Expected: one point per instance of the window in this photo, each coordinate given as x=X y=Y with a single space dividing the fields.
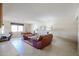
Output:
x=2 y=29
x=48 y=27
x=35 y=27
x=16 y=27
x=20 y=28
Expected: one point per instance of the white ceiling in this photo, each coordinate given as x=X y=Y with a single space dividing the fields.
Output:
x=23 y=12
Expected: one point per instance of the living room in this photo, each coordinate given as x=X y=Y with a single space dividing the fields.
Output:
x=60 y=20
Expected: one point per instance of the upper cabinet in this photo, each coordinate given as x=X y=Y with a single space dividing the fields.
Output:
x=1 y=17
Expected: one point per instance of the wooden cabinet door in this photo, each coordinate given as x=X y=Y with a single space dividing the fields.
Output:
x=1 y=14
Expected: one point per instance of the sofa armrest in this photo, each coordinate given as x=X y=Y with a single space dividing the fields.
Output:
x=37 y=44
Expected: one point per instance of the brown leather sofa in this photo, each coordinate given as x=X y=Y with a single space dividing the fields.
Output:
x=41 y=43
x=25 y=35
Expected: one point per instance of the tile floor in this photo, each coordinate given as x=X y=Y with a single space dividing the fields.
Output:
x=58 y=47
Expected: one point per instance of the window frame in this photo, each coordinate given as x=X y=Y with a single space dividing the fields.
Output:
x=17 y=26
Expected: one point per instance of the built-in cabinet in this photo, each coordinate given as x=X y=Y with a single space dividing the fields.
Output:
x=1 y=14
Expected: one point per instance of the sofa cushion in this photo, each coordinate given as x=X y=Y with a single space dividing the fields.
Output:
x=3 y=37
x=36 y=37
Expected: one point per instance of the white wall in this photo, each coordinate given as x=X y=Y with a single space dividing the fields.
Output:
x=77 y=15
x=65 y=28
x=0 y=30
x=27 y=27
x=7 y=26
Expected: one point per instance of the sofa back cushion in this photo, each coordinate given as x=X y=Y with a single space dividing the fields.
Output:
x=40 y=38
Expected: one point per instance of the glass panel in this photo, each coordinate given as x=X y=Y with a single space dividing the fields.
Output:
x=14 y=28
x=20 y=28
x=2 y=29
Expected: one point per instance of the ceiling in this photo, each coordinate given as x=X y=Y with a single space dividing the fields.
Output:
x=38 y=12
